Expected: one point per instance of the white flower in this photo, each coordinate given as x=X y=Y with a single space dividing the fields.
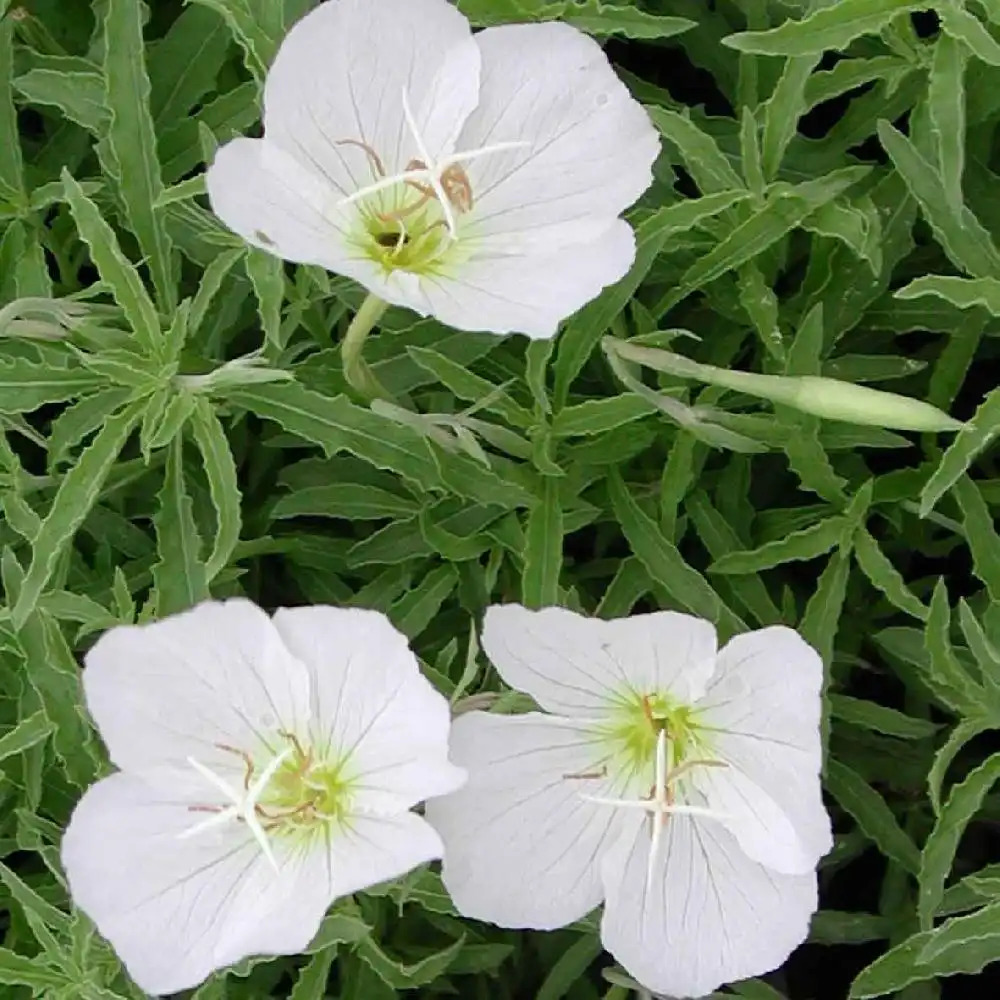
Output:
x=267 y=766
x=478 y=179
x=676 y=782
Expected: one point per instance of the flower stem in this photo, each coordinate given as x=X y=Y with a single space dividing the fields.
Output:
x=359 y=376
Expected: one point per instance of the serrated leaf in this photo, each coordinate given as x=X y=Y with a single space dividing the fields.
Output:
x=402 y=976
x=661 y=558
x=980 y=533
x=415 y=610
x=115 y=270
x=884 y=576
x=25 y=385
x=963 y=804
x=879 y=718
x=603 y=19
x=27 y=733
x=132 y=141
x=596 y=416
x=946 y=107
x=267 y=275
x=782 y=111
x=962 y=292
x=966 y=28
x=830 y=27
x=807 y=543
x=974 y=437
x=79 y=95
x=543 y=549
x=179 y=574
x=872 y=815
x=960 y=233
x=258 y=45
x=77 y=493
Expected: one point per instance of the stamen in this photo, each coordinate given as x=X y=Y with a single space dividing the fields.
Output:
x=374 y=160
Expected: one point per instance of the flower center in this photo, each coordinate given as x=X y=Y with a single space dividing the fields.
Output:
x=409 y=220
x=294 y=793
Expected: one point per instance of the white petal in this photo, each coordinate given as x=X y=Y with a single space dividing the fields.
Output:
x=758 y=823
x=278 y=204
x=592 y=144
x=576 y=665
x=532 y=292
x=373 y=849
x=711 y=916
x=216 y=674
x=175 y=909
x=764 y=703
x=522 y=847
x=340 y=74
x=370 y=700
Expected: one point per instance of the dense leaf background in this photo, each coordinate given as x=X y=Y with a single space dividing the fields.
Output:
x=826 y=203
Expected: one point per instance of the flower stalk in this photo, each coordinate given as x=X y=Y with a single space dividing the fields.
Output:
x=359 y=376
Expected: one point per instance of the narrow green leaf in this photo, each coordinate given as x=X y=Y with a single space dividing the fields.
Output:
x=966 y=28
x=964 y=802
x=975 y=436
x=946 y=105
x=596 y=416
x=571 y=965
x=116 y=271
x=961 y=234
x=872 y=815
x=665 y=564
x=132 y=141
x=782 y=111
x=16 y=970
x=25 y=385
x=944 y=665
x=351 y=501
x=312 y=980
x=337 y=425
x=602 y=19
x=981 y=534
x=400 y=976
x=966 y=730
x=77 y=493
x=27 y=733
x=11 y=165
x=830 y=27
x=259 y=46
x=798 y=546
x=179 y=574
x=79 y=95
x=879 y=718
x=543 y=549
x=267 y=275
x=223 y=486
x=884 y=576
x=416 y=609
x=962 y=292
x=821 y=618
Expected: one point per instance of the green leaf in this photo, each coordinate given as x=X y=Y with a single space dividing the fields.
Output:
x=351 y=501
x=821 y=618
x=29 y=732
x=223 y=486
x=962 y=292
x=807 y=543
x=259 y=45
x=830 y=27
x=706 y=163
x=884 y=576
x=16 y=970
x=543 y=549
x=267 y=275
x=975 y=436
x=77 y=493
x=784 y=210
x=571 y=965
x=132 y=141
x=665 y=564
x=946 y=671
x=26 y=385
x=179 y=574
x=963 y=26
x=11 y=166
x=946 y=105
x=960 y=233
x=782 y=111
x=584 y=331
x=79 y=95
x=120 y=275
x=964 y=802
x=596 y=416
x=603 y=19
x=872 y=815
x=312 y=980
x=401 y=976
x=879 y=718
x=981 y=534
x=337 y=425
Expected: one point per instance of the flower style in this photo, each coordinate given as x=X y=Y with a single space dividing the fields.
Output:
x=267 y=766
x=475 y=178
x=677 y=782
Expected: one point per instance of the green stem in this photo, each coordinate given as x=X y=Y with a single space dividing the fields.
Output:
x=359 y=376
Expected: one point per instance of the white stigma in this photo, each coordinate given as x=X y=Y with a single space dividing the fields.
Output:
x=660 y=804
x=244 y=803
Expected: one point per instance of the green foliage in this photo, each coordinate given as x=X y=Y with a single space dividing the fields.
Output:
x=175 y=423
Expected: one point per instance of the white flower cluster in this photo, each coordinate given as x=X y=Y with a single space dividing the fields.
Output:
x=268 y=766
